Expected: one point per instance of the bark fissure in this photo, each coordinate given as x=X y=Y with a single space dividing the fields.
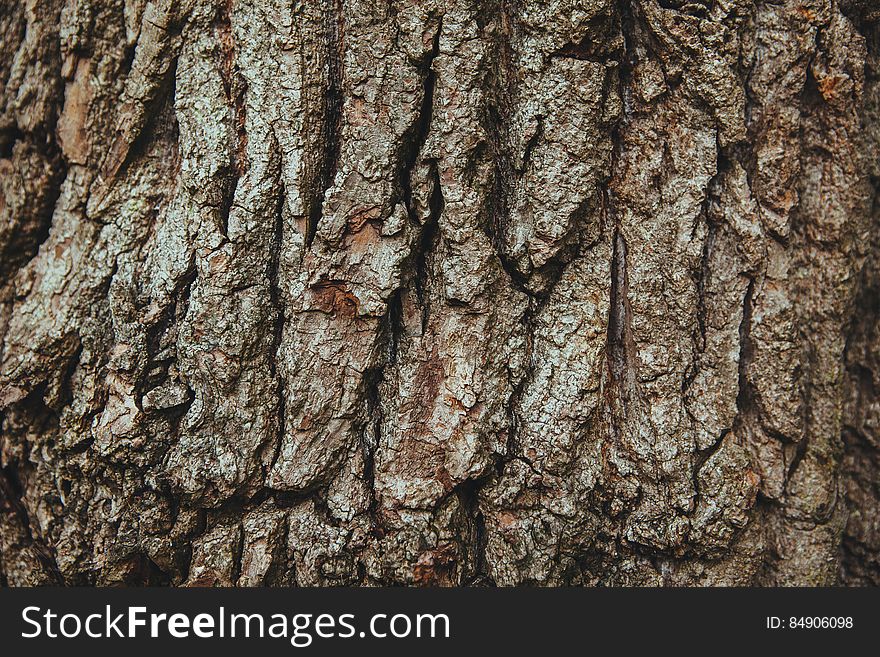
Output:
x=427 y=243
x=10 y=496
x=618 y=318
x=276 y=299
x=333 y=26
x=745 y=401
x=414 y=139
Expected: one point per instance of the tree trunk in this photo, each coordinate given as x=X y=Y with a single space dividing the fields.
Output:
x=440 y=292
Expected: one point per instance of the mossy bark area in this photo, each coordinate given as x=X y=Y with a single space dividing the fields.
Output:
x=447 y=293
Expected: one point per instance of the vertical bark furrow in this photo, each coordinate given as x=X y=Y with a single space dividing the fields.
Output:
x=333 y=31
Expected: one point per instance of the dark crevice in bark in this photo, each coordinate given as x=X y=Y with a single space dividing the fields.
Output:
x=696 y=8
x=414 y=138
x=371 y=431
x=9 y=137
x=34 y=224
x=618 y=385
x=429 y=238
x=25 y=243
x=475 y=571
x=238 y=554
x=333 y=24
x=618 y=375
x=533 y=141
x=811 y=98
x=500 y=106
x=514 y=400
x=30 y=234
x=395 y=326
x=155 y=370
x=500 y=212
x=234 y=86
x=859 y=555
x=238 y=506
x=11 y=491
x=127 y=147
x=392 y=324
x=61 y=386
x=370 y=435
x=280 y=571
x=276 y=300
x=472 y=534
x=711 y=201
x=619 y=340
x=391 y=331
x=503 y=84
x=745 y=399
x=628 y=28
x=859 y=552
x=800 y=447
x=699 y=338
x=702 y=283
x=143 y=571
x=413 y=142
x=600 y=31
x=618 y=337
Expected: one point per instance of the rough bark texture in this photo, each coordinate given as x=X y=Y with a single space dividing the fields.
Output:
x=440 y=292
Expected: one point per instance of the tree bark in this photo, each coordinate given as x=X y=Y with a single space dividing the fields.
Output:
x=443 y=293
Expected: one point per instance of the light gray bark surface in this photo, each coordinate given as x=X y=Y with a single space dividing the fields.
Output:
x=450 y=293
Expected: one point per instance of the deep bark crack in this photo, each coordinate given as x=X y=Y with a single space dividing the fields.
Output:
x=333 y=24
